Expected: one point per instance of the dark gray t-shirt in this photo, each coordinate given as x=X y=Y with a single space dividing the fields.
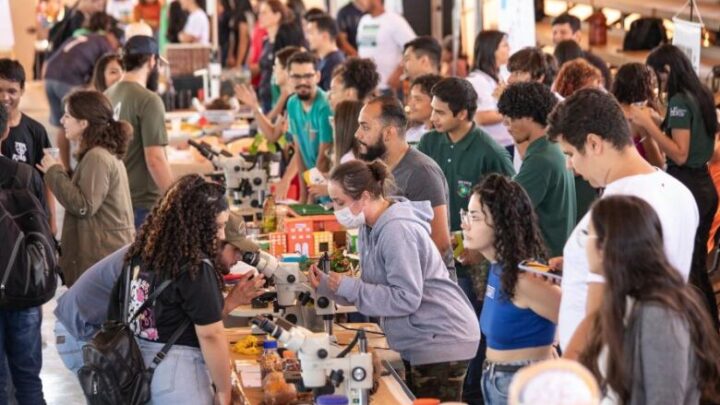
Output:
x=419 y=178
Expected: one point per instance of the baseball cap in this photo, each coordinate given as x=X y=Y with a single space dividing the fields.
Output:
x=143 y=45
x=235 y=234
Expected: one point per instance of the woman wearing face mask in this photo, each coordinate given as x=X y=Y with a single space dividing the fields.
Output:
x=404 y=281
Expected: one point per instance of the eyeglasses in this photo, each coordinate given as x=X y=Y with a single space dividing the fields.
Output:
x=467 y=219
x=583 y=237
x=306 y=76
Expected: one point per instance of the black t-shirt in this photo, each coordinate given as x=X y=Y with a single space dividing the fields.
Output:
x=26 y=142
x=327 y=65
x=198 y=299
x=8 y=169
x=348 y=19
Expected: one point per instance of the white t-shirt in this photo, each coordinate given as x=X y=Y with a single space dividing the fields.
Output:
x=198 y=26
x=382 y=39
x=413 y=135
x=484 y=86
x=678 y=215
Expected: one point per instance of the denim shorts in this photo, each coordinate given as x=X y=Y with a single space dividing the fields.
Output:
x=182 y=378
x=496 y=383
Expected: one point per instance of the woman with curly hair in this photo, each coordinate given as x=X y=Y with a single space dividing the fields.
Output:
x=98 y=211
x=575 y=75
x=519 y=311
x=180 y=241
x=424 y=314
x=652 y=340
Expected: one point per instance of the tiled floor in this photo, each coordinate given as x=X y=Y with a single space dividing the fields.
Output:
x=60 y=386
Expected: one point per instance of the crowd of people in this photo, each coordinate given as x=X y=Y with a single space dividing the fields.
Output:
x=457 y=176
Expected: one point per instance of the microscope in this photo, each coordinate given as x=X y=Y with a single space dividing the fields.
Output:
x=246 y=181
x=291 y=284
x=324 y=364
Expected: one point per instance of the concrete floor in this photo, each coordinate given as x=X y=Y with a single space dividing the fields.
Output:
x=60 y=386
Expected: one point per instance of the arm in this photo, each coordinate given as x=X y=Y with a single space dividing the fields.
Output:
x=577 y=343
x=345 y=46
x=243 y=41
x=246 y=95
x=664 y=340
x=280 y=105
x=653 y=154
x=214 y=347
x=401 y=296
x=676 y=146
x=540 y=296
x=84 y=198
x=52 y=212
x=323 y=161
x=158 y=166
x=186 y=38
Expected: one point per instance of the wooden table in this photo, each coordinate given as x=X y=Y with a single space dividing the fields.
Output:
x=388 y=393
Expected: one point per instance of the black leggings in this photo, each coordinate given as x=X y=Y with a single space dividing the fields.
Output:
x=702 y=188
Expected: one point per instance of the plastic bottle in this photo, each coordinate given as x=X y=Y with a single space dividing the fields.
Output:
x=598 y=28
x=270 y=359
x=332 y=400
x=269 y=223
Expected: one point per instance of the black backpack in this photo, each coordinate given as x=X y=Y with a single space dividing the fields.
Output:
x=28 y=260
x=645 y=34
x=113 y=371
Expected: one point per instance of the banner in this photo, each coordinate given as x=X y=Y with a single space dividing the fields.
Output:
x=7 y=37
x=517 y=19
x=688 y=37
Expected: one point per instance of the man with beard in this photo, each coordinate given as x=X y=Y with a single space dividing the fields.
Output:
x=134 y=100
x=381 y=135
x=309 y=113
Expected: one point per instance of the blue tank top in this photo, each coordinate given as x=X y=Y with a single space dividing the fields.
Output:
x=507 y=327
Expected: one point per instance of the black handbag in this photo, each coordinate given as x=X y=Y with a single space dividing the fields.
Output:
x=113 y=370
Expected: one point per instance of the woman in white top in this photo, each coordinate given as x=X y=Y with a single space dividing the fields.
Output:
x=491 y=52
x=197 y=27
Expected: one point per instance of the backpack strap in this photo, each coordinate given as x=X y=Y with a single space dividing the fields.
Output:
x=23 y=175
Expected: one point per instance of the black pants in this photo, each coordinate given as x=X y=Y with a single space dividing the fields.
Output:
x=702 y=188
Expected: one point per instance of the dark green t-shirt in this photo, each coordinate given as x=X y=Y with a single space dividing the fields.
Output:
x=551 y=188
x=684 y=113
x=585 y=196
x=464 y=164
x=145 y=111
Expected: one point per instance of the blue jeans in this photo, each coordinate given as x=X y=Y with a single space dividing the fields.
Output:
x=496 y=384
x=140 y=214
x=21 y=349
x=56 y=92
x=69 y=348
x=182 y=378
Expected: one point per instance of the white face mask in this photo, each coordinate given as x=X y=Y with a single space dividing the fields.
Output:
x=349 y=220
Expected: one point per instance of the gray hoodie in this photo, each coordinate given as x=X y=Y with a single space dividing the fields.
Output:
x=425 y=315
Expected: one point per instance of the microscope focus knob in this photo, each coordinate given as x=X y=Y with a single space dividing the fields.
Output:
x=291 y=279
x=359 y=374
x=257 y=181
x=323 y=302
x=322 y=353
x=237 y=168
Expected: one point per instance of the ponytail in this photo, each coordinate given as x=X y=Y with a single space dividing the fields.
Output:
x=102 y=130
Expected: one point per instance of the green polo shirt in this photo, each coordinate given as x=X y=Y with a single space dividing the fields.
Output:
x=684 y=113
x=551 y=187
x=464 y=164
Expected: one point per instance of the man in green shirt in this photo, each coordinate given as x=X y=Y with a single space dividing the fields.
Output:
x=544 y=174
x=134 y=100
x=465 y=154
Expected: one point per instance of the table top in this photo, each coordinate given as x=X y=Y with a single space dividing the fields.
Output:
x=388 y=393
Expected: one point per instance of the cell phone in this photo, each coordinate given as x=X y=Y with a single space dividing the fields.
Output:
x=541 y=269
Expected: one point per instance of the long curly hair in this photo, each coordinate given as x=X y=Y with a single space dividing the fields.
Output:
x=517 y=234
x=629 y=237
x=102 y=130
x=182 y=229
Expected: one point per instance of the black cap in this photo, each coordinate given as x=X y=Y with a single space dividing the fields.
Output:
x=141 y=45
